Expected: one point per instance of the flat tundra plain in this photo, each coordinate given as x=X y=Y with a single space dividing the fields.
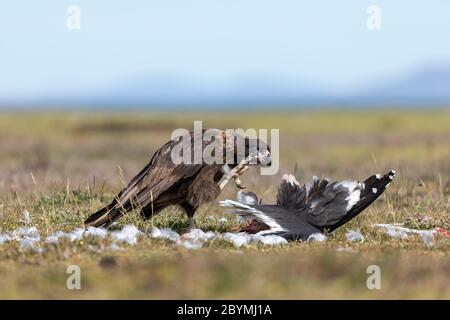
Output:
x=56 y=169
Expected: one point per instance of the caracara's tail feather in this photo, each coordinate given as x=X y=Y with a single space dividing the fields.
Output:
x=105 y=216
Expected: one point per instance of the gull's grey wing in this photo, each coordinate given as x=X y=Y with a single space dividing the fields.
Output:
x=327 y=203
x=320 y=202
x=281 y=221
x=291 y=195
x=330 y=205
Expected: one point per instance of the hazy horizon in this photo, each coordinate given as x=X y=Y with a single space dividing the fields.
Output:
x=224 y=53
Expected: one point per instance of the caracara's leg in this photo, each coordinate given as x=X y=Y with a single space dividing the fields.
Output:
x=190 y=211
x=149 y=211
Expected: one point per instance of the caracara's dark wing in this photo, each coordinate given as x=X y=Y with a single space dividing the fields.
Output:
x=159 y=175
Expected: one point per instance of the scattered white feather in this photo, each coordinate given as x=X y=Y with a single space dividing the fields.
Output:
x=319 y=237
x=25 y=232
x=28 y=238
x=30 y=244
x=238 y=239
x=397 y=231
x=26 y=217
x=96 y=232
x=165 y=233
x=394 y=233
x=128 y=234
x=428 y=237
x=4 y=238
x=75 y=235
x=273 y=240
x=223 y=220
x=198 y=235
x=353 y=235
x=54 y=238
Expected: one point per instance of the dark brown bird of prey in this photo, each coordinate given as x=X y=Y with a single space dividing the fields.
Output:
x=165 y=182
x=314 y=208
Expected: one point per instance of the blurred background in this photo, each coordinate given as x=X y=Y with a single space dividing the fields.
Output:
x=202 y=54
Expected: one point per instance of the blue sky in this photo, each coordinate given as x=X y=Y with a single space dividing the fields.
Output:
x=321 y=42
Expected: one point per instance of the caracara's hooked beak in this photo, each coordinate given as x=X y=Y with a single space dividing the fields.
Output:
x=264 y=158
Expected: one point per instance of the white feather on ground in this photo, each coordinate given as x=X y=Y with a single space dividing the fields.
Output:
x=4 y=238
x=199 y=235
x=29 y=237
x=273 y=240
x=397 y=231
x=319 y=237
x=242 y=238
x=165 y=233
x=128 y=234
x=238 y=239
x=25 y=232
x=96 y=232
x=26 y=217
x=353 y=235
x=54 y=238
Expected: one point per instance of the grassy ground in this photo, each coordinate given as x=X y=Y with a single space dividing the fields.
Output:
x=61 y=167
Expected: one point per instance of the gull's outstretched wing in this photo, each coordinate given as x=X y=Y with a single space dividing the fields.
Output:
x=281 y=221
x=313 y=208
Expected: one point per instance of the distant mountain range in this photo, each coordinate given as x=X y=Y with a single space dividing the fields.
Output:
x=428 y=87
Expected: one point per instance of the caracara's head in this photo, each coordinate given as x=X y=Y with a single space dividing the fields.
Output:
x=210 y=146
x=261 y=151
x=255 y=149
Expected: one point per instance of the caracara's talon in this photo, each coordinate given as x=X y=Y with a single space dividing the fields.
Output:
x=239 y=183
x=241 y=171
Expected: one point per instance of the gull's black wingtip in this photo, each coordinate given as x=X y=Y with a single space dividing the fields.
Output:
x=373 y=188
